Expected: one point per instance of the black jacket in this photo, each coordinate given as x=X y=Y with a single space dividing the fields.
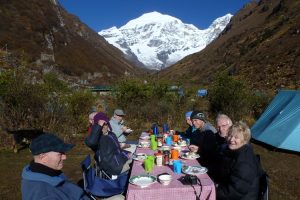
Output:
x=187 y=134
x=206 y=141
x=239 y=175
x=108 y=153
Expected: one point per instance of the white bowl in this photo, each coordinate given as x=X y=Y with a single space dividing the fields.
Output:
x=165 y=179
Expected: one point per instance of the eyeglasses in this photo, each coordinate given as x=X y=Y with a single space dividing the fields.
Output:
x=223 y=125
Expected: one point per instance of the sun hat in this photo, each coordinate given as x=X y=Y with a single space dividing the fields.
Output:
x=198 y=115
x=49 y=142
x=119 y=112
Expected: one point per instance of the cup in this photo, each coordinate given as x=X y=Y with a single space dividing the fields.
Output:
x=152 y=158
x=148 y=165
x=174 y=154
x=152 y=137
x=175 y=138
x=168 y=141
x=153 y=145
x=177 y=166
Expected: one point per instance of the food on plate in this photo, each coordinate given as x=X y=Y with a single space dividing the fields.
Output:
x=190 y=155
x=144 y=144
x=140 y=156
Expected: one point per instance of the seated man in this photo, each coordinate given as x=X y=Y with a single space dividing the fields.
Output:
x=43 y=178
x=91 y=121
x=189 y=130
x=203 y=141
x=108 y=153
x=223 y=123
x=117 y=125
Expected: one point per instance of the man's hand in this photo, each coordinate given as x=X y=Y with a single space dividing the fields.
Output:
x=124 y=128
x=193 y=148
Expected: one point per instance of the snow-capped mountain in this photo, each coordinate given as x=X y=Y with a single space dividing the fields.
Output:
x=158 y=40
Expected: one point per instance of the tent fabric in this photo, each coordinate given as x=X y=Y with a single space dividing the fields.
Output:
x=279 y=125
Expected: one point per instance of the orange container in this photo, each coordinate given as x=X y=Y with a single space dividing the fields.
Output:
x=174 y=154
x=175 y=138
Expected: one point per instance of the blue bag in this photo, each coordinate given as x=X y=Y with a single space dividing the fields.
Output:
x=98 y=186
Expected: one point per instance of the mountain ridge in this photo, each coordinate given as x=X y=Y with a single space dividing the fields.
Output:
x=158 y=40
x=51 y=38
x=259 y=46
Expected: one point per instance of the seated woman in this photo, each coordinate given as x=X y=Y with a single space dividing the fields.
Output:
x=240 y=170
x=108 y=154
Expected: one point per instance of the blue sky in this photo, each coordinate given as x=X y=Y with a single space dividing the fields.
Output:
x=104 y=14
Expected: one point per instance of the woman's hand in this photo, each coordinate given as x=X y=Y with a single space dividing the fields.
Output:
x=101 y=122
x=193 y=148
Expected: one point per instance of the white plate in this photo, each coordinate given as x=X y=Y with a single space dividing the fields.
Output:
x=194 y=170
x=140 y=156
x=142 y=180
x=144 y=144
x=145 y=137
x=190 y=157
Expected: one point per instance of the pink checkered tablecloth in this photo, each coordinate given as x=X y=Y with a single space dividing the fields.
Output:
x=175 y=190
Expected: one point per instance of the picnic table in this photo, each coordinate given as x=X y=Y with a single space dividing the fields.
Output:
x=175 y=190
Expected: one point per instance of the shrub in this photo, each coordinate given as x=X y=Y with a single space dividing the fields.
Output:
x=148 y=101
x=49 y=104
x=230 y=96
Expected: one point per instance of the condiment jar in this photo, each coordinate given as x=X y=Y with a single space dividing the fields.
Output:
x=159 y=140
x=166 y=157
x=159 y=159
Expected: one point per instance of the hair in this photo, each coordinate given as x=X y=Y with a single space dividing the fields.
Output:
x=223 y=116
x=241 y=128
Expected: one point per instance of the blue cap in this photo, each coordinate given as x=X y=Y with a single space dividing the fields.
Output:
x=188 y=114
x=49 y=142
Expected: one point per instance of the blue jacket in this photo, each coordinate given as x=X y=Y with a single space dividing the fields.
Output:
x=117 y=129
x=38 y=186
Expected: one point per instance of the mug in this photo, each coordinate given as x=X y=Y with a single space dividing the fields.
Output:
x=168 y=141
x=175 y=138
x=174 y=154
x=153 y=145
x=148 y=165
x=177 y=165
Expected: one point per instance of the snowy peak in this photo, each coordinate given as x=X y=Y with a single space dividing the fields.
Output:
x=158 y=40
x=150 y=18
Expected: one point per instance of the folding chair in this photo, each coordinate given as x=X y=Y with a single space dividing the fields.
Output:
x=263 y=187
x=97 y=186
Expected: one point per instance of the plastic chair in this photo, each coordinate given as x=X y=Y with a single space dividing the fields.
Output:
x=98 y=186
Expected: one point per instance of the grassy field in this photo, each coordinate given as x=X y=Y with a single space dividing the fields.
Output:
x=283 y=170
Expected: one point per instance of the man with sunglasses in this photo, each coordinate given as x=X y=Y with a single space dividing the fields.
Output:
x=203 y=141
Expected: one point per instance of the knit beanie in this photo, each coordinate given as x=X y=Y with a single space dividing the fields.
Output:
x=102 y=116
